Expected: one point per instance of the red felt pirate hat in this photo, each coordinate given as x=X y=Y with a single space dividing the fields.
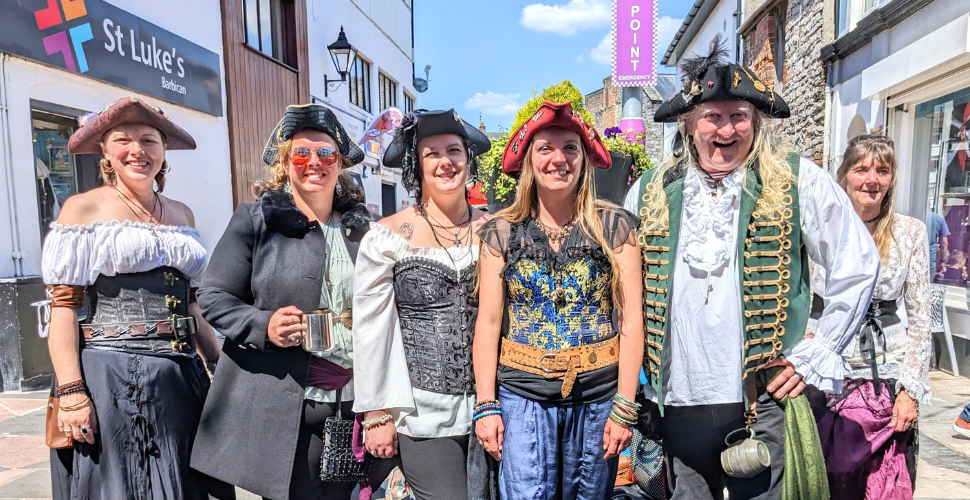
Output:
x=126 y=111
x=548 y=115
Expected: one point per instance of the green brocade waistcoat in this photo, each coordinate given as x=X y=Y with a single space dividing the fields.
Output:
x=773 y=268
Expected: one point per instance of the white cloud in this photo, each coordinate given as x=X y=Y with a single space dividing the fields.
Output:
x=579 y=58
x=494 y=104
x=567 y=19
x=603 y=53
x=666 y=29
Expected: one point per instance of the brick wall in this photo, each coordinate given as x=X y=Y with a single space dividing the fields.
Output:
x=605 y=106
x=802 y=77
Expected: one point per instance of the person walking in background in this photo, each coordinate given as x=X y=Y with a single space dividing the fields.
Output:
x=939 y=234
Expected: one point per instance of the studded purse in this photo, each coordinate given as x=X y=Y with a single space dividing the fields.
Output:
x=338 y=463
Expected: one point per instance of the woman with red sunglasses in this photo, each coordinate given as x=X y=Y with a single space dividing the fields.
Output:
x=290 y=253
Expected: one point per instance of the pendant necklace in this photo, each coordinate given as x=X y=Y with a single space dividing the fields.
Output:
x=152 y=222
x=456 y=238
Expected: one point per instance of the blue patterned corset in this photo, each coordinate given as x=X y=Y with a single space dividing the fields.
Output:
x=559 y=300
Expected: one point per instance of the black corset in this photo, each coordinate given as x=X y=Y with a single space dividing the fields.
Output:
x=437 y=312
x=138 y=297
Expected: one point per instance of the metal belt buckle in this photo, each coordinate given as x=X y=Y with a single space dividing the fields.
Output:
x=543 y=359
x=178 y=343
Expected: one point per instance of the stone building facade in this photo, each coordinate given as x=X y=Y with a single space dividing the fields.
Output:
x=606 y=106
x=782 y=45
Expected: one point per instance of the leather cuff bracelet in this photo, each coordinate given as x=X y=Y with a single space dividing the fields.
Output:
x=66 y=296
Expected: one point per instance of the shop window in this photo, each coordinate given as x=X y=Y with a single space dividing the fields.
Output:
x=360 y=84
x=59 y=174
x=945 y=123
x=271 y=29
x=388 y=91
x=408 y=103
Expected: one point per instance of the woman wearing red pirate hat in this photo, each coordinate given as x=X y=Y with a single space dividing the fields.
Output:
x=556 y=264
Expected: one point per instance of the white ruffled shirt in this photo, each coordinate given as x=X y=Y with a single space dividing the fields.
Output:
x=703 y=365
x=77 y=255
x=381 y=377
x=905 y=278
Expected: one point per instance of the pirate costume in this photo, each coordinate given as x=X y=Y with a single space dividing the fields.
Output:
x=416 y=313
x=262 y=426
x=865 y=457
x=558 y=362
x=719 y=261
x=137 y=348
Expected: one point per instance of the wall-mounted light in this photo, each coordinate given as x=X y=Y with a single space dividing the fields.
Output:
x=343 y=55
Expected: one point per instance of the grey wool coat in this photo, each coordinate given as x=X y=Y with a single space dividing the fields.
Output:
x=269 y=257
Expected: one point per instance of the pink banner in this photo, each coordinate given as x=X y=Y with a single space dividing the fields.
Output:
x=634 y=43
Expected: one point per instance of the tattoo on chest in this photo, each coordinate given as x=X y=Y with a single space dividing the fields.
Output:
x=407 y=230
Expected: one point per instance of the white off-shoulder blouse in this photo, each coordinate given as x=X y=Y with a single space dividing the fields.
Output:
x=77 y=255
x=381 y=377
x=904 y=278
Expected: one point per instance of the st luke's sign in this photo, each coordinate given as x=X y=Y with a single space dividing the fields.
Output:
x=99 y=40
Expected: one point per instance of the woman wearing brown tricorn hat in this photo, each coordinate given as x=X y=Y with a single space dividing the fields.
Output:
x=131 y=378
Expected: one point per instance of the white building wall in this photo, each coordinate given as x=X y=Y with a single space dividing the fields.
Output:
x=720 y=21
x=381 y=31
x=200 y=178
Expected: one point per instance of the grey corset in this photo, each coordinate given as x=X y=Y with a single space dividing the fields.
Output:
x=437 y=311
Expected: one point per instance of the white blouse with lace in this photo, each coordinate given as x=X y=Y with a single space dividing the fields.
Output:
x=904 y=278
x=77 y=255
x=381 y=378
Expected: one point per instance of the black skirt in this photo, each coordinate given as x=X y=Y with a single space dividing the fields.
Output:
x=148 y=407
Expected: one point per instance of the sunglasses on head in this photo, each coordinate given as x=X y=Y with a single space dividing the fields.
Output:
x=301 y=156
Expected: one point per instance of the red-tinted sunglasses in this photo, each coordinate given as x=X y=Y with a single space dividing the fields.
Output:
x=301 y=156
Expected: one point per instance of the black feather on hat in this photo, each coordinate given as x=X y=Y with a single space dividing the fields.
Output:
x=316 y=117
x=709 y=79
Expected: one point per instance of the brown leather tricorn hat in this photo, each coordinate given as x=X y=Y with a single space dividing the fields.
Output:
x=126 y=111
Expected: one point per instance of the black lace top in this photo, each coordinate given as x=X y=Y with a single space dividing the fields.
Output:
x=557 y=300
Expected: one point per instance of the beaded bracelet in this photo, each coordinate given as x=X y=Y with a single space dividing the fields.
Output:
x=71 y=387
x=376 y=422
x=622 y=422
x=488 y=403
x=485 y=414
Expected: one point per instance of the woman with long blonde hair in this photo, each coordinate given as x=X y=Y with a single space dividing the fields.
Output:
x=874 y=420
x=726 y=232
x=556 y=264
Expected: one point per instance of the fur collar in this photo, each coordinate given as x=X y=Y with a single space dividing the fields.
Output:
x=282 y=215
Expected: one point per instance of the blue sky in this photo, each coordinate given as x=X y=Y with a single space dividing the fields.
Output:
x=487 y=56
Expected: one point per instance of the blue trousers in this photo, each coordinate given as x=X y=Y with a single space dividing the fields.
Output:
x=553 y=451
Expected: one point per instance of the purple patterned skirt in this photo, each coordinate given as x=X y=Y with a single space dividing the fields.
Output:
x=864 y=458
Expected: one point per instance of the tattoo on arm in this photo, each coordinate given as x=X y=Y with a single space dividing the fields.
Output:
x=407 y=230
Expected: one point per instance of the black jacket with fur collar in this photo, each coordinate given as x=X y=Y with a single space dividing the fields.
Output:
x=271 y=256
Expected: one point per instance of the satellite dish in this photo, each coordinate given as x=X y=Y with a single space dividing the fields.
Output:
x=421 y=84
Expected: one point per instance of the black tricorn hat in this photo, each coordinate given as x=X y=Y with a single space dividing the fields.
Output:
x=422 y=123
x=311 y=116
x=708 y=79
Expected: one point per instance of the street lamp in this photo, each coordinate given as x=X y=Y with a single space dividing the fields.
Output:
x=343 y=54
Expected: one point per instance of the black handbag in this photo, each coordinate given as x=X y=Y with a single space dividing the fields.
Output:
x=338 y=463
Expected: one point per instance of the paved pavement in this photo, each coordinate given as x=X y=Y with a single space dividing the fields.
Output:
x=943 y=471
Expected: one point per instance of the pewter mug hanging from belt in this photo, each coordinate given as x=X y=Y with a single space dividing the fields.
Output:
x=318 y=325
x=744 y=458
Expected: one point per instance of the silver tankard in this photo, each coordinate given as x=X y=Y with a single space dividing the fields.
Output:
x=745 y=458
x=318 y=331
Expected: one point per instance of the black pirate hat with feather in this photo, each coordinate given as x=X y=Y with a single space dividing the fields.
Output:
x=709 y=79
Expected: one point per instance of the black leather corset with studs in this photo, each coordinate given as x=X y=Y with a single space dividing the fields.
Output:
x=138 y=297
x=437 y=310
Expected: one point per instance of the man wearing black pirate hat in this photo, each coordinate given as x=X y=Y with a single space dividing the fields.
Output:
x=727 y=229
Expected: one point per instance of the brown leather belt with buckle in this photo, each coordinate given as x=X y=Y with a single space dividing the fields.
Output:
x=564 y=363
x=179 y=328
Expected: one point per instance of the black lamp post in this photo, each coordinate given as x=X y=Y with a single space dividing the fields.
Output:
x=343 y=54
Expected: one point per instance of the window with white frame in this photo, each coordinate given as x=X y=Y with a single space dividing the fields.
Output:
x=360 y=84
x=850 y=12
x=408 y=103
x=388 y=91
